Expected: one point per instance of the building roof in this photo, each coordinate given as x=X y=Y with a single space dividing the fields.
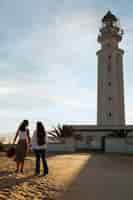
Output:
x=100 y=128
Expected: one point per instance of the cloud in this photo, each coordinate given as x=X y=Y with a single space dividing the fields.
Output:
x=48 y=61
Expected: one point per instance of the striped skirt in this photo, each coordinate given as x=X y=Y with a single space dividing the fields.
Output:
x=21 y=150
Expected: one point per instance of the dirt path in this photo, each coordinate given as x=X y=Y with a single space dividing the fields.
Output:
x=104 y=177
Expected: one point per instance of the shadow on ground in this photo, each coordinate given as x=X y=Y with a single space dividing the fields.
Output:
x=103 y=177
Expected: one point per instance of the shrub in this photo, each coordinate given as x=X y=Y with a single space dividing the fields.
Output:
x=61 y=132
x=1 y=146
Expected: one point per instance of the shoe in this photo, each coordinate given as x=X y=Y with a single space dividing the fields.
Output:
x=16 y=171
x=45 y=174
x=37 y=174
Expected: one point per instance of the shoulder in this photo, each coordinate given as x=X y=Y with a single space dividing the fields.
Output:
x=19 y=131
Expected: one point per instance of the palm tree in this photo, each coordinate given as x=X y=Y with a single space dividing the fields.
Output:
x=61 y=131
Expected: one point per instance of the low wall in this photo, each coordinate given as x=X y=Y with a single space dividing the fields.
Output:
x=112 y=144
x=57 y=147
x=92 y=146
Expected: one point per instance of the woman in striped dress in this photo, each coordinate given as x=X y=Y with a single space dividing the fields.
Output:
x=21 y=149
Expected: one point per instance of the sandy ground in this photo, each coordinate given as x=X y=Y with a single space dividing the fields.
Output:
x=71 y=177
x=28 y=186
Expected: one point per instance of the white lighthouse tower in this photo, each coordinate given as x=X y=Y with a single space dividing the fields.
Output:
x=110 y=100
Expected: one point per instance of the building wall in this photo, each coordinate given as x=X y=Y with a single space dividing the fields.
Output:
x=119 y=145
x=94 y=140
x=90 y=140
x=115 y=145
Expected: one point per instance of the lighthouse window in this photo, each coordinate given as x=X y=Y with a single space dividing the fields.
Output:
x=109 y=63
x=110 y=114
x=109 y=83
x=110 y=98
x=109 y=57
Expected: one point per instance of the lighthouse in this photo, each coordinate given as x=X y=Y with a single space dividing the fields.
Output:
x=110 y=94
x=110 y=131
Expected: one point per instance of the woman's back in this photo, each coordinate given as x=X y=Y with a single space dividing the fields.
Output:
x=22 y=134
x=37 y=144
x=40 y=138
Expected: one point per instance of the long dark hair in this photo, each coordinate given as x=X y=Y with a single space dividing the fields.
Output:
x=41 y=133
x=23 y=125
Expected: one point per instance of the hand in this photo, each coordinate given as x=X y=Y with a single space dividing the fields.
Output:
x=13 y=142
x=29 y=146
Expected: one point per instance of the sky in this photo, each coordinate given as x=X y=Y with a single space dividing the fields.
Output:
x=48 y=63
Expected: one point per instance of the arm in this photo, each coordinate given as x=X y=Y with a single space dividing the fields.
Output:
x=16 y=136
x=46 y=138
x=33 y=140
x=28 y=137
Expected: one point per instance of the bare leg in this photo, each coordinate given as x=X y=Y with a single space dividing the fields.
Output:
x=22 y=166
x=17 y=166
